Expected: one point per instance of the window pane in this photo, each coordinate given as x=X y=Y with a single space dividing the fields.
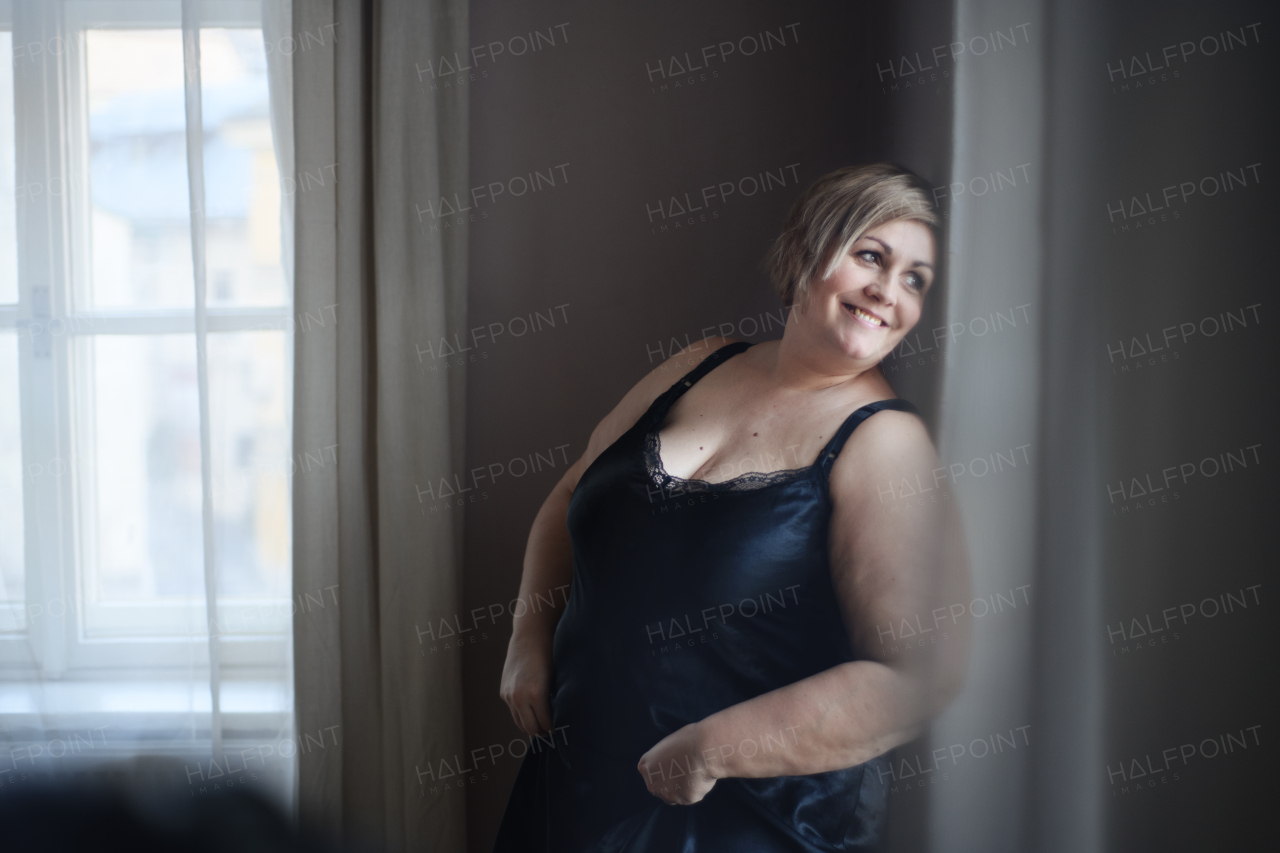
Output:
x=8 y=191
x=242 y=183
x=141 y=232
x=140 y=501
x=12 y=580
x=251 y=471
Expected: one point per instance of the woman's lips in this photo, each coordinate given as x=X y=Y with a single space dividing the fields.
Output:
x=866 y=319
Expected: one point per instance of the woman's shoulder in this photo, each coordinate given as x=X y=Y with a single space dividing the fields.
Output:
x=883 y=445
x=894 y=421
x=642 y=395
x=670 y=371
x=682 y=361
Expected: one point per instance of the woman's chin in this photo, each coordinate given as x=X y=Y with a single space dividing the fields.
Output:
x=860 y=351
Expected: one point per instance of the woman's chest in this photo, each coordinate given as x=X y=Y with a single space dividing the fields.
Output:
x=631 y=526
x=652 y=563
x=721 y=444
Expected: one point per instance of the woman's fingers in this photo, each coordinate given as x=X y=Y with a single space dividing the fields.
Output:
x=527 y=722
x=525 y=688
x=542 y=712
x=532 y=716
x=685 y=790
x=515 y=714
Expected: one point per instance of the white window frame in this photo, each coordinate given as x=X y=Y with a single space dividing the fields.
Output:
x=51 y=119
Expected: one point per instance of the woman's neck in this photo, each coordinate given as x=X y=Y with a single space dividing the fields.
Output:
x=796 y=365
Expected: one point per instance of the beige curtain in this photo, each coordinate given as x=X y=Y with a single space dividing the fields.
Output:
x=373 y=145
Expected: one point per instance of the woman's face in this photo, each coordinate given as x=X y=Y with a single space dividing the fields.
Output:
x=876 y=293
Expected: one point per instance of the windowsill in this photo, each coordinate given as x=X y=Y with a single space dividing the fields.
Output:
x=137 y=705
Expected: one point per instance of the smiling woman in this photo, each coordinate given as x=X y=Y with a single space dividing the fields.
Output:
x=719 y=649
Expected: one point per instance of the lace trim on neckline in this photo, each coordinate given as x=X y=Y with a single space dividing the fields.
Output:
x=750 y=481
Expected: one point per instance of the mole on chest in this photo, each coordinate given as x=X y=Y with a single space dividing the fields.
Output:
x=693 y=457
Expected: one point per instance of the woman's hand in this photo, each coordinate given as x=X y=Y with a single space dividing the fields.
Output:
x=526 y=683
x=676 y=769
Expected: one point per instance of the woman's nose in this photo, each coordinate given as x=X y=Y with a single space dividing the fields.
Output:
x=881 y=291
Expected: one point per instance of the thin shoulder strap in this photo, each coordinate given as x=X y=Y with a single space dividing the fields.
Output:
x=665 y=400
x=832 y=450
x=706 y=366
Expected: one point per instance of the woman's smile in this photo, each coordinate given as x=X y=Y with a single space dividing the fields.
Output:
x=864 y=317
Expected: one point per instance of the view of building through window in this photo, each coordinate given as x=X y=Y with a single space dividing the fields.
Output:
x=142 y=492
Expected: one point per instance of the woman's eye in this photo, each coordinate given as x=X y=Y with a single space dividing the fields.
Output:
x=869 y=255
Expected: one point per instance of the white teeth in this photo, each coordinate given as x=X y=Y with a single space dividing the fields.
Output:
x=864 y=315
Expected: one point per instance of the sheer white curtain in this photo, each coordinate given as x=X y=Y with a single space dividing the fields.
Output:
x=991 y=397
x=1020 y=423
x=146 y=333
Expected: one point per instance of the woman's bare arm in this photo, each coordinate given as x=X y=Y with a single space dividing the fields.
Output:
x=548 y=557
x=889 y=562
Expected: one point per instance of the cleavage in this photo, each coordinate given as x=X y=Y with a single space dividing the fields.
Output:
x=769 y=456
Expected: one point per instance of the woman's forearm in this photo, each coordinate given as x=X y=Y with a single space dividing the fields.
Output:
x=548 y=571
x=837 y=718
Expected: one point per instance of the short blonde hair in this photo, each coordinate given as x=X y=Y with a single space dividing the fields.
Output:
x=834 y=212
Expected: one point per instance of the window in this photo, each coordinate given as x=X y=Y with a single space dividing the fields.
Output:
x=103 y=564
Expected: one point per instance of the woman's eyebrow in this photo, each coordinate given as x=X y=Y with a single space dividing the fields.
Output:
x=887 y=248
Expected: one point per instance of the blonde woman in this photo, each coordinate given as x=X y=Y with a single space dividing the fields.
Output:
x=728 y=671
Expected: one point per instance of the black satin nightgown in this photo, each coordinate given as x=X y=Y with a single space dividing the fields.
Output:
x=689 y=597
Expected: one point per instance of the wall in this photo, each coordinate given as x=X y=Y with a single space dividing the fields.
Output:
x=1186 y=373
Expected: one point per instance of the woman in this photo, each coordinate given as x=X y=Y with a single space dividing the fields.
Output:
x=730 y=666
